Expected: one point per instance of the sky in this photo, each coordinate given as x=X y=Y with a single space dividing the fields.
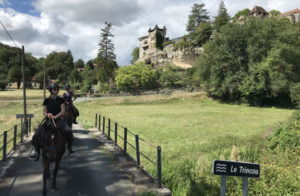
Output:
x=44 y=26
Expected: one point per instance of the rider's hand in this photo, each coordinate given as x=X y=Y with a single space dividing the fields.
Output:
x=49 y=115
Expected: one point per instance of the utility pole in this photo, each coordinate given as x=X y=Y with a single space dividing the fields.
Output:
x=25 y=128
x=44 y=83
x=24 y=83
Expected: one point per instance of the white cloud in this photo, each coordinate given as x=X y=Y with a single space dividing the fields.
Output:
x=76 y=24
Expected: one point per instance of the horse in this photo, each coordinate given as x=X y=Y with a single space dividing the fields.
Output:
x=53 y=148
x=68 y=115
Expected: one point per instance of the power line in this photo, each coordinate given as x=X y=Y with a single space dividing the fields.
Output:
x=9 y=34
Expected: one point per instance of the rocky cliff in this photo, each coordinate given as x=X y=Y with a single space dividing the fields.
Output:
x=169 y=55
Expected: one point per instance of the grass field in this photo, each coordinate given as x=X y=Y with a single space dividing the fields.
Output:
x=193 y=130
x=17 y=94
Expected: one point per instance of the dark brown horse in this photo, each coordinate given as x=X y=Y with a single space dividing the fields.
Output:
x=53 y=148
x=68 y=115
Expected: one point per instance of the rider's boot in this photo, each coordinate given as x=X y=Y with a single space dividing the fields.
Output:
x=70 y=148
x=74 y=120
x=36 y=155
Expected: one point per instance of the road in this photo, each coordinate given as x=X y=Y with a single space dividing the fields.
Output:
x=88 y=172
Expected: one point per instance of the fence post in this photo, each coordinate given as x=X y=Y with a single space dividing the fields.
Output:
x=15 y=136
x=26 y=127
x=109 y=128
x=99 y=125
x=30 y=125
x=96 y=121
x=125 y=140
x=116 y=134
x=159 y=166
x=4 y=145
x=103 y=129
x=137 y=150
x=22 y=131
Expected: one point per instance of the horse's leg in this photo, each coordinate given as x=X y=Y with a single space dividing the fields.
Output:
x=57 y=161
x=45 y=176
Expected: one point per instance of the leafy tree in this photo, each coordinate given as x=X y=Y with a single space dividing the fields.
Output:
x=254 y=62
x=222 y=18
x=90 y=64
x=88 y=79
x=59 y=66
x=135 y=55
x=79 y=63
x=106 y=57
x=273 y=13
x=138 y=76
x=198 y=15
x=202 y=34
x=244 y=12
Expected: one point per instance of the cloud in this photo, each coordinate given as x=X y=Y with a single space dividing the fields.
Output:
x=117 y=12
x=76 y=24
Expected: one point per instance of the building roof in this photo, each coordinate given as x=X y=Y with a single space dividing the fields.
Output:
x=143 y=37
x=258 y=9
x=156 y=27
x=289 y=12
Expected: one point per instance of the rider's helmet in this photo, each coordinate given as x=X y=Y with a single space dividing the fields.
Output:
x=52 y=86
x=68 y=86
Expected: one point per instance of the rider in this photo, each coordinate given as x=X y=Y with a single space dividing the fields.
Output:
x=68 y=100
x=53 y=108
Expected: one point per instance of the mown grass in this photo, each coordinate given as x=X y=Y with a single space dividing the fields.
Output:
x=9 y=107
x=193 y=130
x=17 y=94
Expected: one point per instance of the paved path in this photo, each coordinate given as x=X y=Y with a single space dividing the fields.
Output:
x=88 y=172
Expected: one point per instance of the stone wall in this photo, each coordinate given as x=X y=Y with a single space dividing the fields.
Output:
x=169 y=55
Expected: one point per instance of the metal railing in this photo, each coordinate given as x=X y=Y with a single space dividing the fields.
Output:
x=11 y=137
x=109 y=127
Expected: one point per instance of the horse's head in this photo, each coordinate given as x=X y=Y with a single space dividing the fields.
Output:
x=51 y=138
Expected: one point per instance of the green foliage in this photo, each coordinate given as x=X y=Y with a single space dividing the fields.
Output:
x=59 y=66
x=223 y=18
x=201 y=35
x=79 y=63
x=88 y=79
x=197 y=16
x=137 y=76
x=172 y=76
x=166 y=43
x=106 y=46
x=287 y=136
x=106 y=59
x=147 y=193
x=273 y=13
x=295 y=93
x=244 y=12
x=159 y=41
x=184 y=43
x=252 y=62
x=135 y=54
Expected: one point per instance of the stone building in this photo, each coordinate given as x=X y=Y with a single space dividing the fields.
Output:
x=148 y=42
x=293 y=15
x=259 y=12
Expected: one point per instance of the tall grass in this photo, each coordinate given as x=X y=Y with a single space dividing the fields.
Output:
x=193 y=130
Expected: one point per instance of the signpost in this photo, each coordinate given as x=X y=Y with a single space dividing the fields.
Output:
x=232 y=168
x=27 y=125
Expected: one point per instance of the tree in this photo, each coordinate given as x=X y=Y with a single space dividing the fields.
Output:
x=90 y=64
x=59 y=66
x=222 y=18
x=138 y=76
x=79 y=63
x=197 y=16
x=274 y=13
x=106 y=59
x=254 y=62
x=135 y=54
x=202 y=34
x=244 y=12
